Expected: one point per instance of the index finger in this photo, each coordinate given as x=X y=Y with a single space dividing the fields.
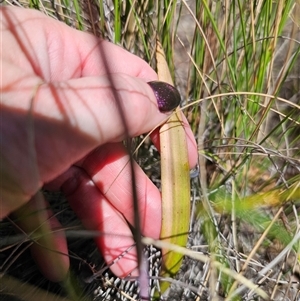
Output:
x=57 y=52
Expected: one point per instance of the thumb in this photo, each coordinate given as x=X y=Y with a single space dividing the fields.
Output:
x=81 y=114
x=69 y=119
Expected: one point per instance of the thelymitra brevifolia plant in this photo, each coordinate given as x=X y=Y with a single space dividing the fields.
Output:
x=174 y=173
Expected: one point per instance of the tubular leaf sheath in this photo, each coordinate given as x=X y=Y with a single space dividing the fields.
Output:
x=175 y=181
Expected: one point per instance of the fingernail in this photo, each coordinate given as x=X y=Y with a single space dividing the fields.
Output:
x=167 y=96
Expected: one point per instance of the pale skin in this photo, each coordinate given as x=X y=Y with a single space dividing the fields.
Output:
x=61 y=129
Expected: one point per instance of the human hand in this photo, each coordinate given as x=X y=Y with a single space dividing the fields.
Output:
x=60 y=126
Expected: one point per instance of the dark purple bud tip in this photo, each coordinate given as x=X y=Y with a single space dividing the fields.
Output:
x=167 y=96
